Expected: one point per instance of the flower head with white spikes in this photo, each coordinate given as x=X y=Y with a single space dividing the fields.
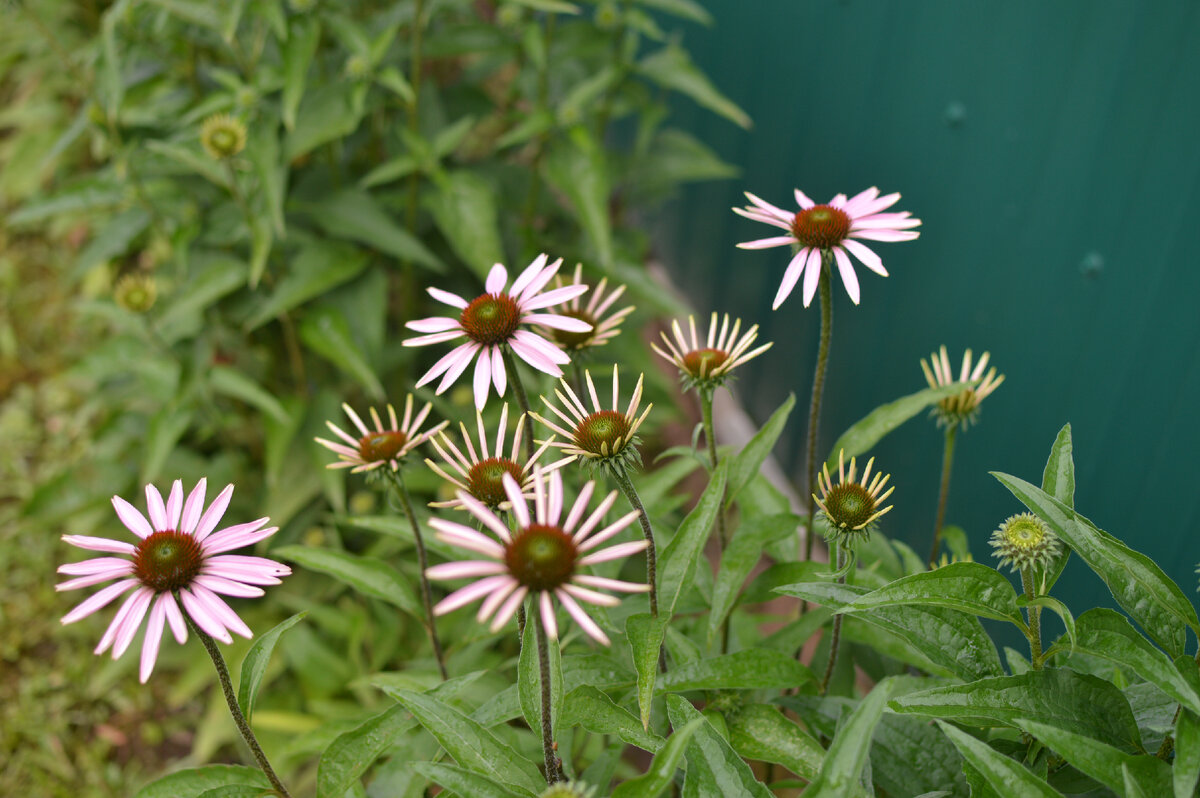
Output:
x=852 y=506
x=480 y=471
x=834 y=227
x=963 y=407
x=600 y=436
x=707 y=364
x=178 y=559
x=600 y=301
x=384 y=445
x=544 y=558
x=494 y=320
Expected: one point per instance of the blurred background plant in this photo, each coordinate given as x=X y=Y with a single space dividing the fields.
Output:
x=217 y=218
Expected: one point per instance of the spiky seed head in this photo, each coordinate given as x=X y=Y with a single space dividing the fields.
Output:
x=1025 y=542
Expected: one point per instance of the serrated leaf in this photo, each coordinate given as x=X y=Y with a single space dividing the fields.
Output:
x=319 y=267
x=714 y=769
x=1056 y=696
x=593 y=710
x=470 y=744
x=645 y=635
x=236 y=385
x=862 y=436
x=254 y=664
x=464 y=209
x=744 y=551
x=672 y=68
x=529 y=680
x=194 y=781
x=1136 y=582
x=1186 y=769
x=368 y=575
x=677 y=561
x=846 y=757
x=762 y=732
x=327 y=333
x=1002 y=774
x=746 y=463
x=964 y=586
x=464 y=782
x=661 y=772
x=354 y=215
x=1058 y=480
x=1100 y=761
x=752 y=669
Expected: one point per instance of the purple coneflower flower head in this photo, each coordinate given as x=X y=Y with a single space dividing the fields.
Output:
x=605 y=325
x=386 y=444
x=177 y=559
x=544 y=558
x=496 y=319
x=835 y=226
x=706 y=363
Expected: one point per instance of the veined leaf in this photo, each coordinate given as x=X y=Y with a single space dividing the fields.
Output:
x=645 y=634
x=662 y=768
x=319 y=267
x=672 y=68
x=1004 y=775
x=846 y=757
x=464 y=209
x=353 y=215
x=871 y=428
x=1186 y=769
x=746 y=463
x=593 y=710
x=368 y=575
x=304 y=34
x=677 y=561
x=762 y=732
x=577 y=167
x=751 y=669
x=233 y=383
x=1058 y=480
x=194 y=781
x=327 y=333
x=964 y=586
x=529 y=679
x=744 y=551
x=254 y=664
x=1100 y=761
x=714 y=769
x=465 y=782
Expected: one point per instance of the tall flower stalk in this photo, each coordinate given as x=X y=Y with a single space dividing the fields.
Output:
x=1029 y=546
x=818 y=389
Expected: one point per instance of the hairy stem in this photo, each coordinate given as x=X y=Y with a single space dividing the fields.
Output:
x=552 y=769
x=239 y=719
x=814 y=409
x=944 y=492
x=706 y=414
x=835 y=637
x=422 y=564
x=514 y=376
x=627 y=488
x=1035 y=620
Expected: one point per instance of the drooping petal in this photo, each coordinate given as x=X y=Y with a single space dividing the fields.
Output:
x=585 y=622
x=154 y=632
x=208 y=622
x=98 y=601
x=222 y=611
x=794 y=270
x=866 y=256
x=549 y=621
x=499 y=379
x=812 y=274
x=137 y=611
x=174 y=618
x=97 y=565
x=849 y=278
x=483 y=378
x=456 y=369
x=464 y=596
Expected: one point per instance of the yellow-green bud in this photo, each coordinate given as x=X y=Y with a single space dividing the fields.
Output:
x=1025 y=542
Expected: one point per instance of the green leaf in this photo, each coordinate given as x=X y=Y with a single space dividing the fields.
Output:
x=661 y=772
x=762 y=732
x=1055 y=606
x=1186 y=769
x=687 y=9
x=330 y=112
x=211 y=279
x=871 y=428
x=194 y=781
x=236 y=385
x=964 y=586
x=593 y=710
x=847 y=755
x=744 y=551
x=353 y=215
x=1107 y=634
x=550 y=6
x=1004 y=775
x=748 y=462
x=1056 y=696
x=163 y=433
x=645 y=633
x=1100 y=761
x=909 y=755
x=752 y=669
x=576 y=167
x=87 y=197
x=464 y=209
x=192 y=11
x=529 y=680
x=112 y=239
x=677 y=561
x=472 y=746
x=272 y=172
x=676 y=157
x=304 y=34
x=1136 y=582
x=1058 y=480
x=319 y=267
x=464 y=782
x=254 y=664
x=714 y=769
x=237 y=791
x=1133 y=787
x=368 y=575
x=672 y=68
x=327 y=333
x=192 y=159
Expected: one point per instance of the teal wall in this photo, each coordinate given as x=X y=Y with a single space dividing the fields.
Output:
x=1051 y=149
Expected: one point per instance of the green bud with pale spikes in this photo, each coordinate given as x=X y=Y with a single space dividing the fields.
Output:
x=1025 y=542
x=853 y=505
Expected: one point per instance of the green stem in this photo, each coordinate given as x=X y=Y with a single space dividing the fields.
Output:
x=944 y=492
x=627 y=488
x=514 y=376
x=814 y=409
x=1035 y=620
x=422 y=564
x=835 y=638
x=1168 y=743
x=551 y=759
x=706 y=414
x=239 y=719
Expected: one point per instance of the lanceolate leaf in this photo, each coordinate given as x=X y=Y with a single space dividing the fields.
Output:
x=762 y=732
x=317 y=269
x=327 y=333
x=1138 y=585
x=672 y=68
x=1186 y=770
x=465 y=783
x=677 y=561
x=1058 y=480
x=965 y=586
x=738 y=560
x=576 y=167
x=254 y=664
x=368 y=575
x=868 y=431
x=847 y=755
x=645 y=634
x=714 y=769
x=659 y=776
x=1055 y=696
x=353 y=214
x=746 y=463
x=1004 y=775
x=529 y=680
x=909 y=754
x=1100 y=761
x=194 y=781
x=752 y=669
x=593 y=710
x=464 y=208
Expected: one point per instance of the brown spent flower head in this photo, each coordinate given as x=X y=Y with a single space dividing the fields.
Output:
x=599 y=436
x=852 y=506
x=1025 y=542
x=222 y=136
x=600 y=300
x=963 y=407
x=707 y=365
x=383 y=445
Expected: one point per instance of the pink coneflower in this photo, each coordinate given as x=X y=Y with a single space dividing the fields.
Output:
x=384 y=445
x=600 y=301
x=481 y=469
x=833 y=226
x=542 y=558
x=178 y=556
x=600 y=436
x=707 y=362
x=493 y=321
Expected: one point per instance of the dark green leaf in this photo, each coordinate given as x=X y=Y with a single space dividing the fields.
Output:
x=762 y=732
x=1100 y=761
x=744 y=551
x=747 y=463
x=236 y=385
x=87 y=197
x=662 y=768
x=353 y=215
x=238 y=791
x=272 y=173
x=328 y=113
x=194 y=781
x=672 y=68
x=1002 y=774
x=464 y=782
x=368 y=575
x=194 y=160
x=319 y=267
x=910 y=755
x=847 y=755
x=645 y=633
x=1186 y=770
x=752 y=669
x=165 y=429
x=464 y=209
x=593 y=710
x=1058 y=480
x=869 y=430
x=965 y=586
x=1055 y=606
x=714 y=769
x=212 y=278
x=576 y=167
x=529 y=679
x=254 y=664
x=677 y=561
x=327 y=333
x=550 y=6
x=687 y=9
x=1055 y=696
x=1136 y=582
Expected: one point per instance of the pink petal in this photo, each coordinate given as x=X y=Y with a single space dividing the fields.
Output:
x=194 y=507
x=228 y=587
x=497 y=278
x=221 y=610
x=812 y=275
x=555 y=505
x=447 y=360
x=233 y=539
x=538 y=282
x=855 y=204
x=447 y=298
x=489 y=519
x=203 y=618
x=875 y=206
x=849 y=278
x=433 y=338
x=557 y=296
x=133 y=520
x=580 y=506
x=88 y=581
x=610 y=530
x=98 y=601
x=615 y=552
x=544 y=347
x=529 y=274
x=802 y=199
x=794 y=270
x=519 y=509
x=508 y=608
x=534 y=358
x=118 y=620
x=466 y=352
x=886 y=235
x=595 y=517
x=498 y=597
x=174 y=504
x=434 y=324
x=156 y=508
x=756 y=215
x=767 y=243
x=611 y=584
x=464 y=596
x=174 y=618
x=500 y=380
x=592 y=596
x=465 y=538
x=137 y=611
x=100 y=544
x=466 y=569
x=212 y=516
x=549 y=622
x=98 y=565
x=154 y=631
x=483 y=377
x=866 y=255
x=585 y=622
x=771 y=210
x=558 y=322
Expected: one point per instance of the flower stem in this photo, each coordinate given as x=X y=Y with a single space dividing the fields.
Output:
x=706 y=413
x=422 y=564
x=510 y=366
x=947 y=463
x=1035 y=621
x=814 y=408
x=627 y=488
x=552 y=772
x=239 y=719
x=835 y=638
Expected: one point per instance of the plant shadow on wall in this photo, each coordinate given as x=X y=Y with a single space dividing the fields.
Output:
x=489 y=580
